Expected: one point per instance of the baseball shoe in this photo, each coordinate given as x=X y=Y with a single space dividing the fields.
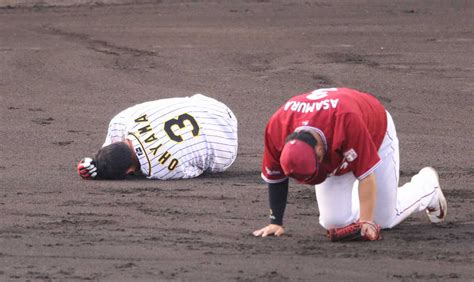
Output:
x=438 y=213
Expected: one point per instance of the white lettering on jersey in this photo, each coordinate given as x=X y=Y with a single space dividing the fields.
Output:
x=304 y=107
x=320 y=93
x=272 y=172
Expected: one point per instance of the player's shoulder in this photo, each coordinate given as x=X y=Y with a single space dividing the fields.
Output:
x=318 y=94
x=162 y=105
x=324 y=98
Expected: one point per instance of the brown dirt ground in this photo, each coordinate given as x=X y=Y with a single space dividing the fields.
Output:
x=65 y=72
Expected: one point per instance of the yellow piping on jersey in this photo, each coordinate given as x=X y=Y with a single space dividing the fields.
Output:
x=144 y=151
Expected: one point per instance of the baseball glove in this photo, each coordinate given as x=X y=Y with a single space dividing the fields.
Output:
x=87 y=169
x=358 y=231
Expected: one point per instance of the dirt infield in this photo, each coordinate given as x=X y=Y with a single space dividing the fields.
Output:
x=65 y=71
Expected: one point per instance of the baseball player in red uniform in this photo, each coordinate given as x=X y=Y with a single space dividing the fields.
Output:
x=171 y=138
x=344 y=142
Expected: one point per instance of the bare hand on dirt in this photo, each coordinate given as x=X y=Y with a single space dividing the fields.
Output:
x=271 y=229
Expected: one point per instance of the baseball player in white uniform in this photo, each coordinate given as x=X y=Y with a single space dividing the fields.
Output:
x=171 y=138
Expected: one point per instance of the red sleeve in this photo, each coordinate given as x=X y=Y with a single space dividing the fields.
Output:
x=274 y=141
x=356 y=145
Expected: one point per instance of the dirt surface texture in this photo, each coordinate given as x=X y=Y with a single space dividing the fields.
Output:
x=65 y=71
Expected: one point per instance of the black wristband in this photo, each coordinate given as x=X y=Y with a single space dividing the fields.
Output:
x=278 y=194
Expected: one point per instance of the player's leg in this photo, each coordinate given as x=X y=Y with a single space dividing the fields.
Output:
x=387 y=176
x=396 y=204
x=335 y=203
x=416 y=196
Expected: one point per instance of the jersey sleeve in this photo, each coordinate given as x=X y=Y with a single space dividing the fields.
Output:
x=117 y=131
x=356 y=145
x=271 y=168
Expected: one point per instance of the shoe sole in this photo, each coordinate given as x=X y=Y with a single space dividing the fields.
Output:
x=437 y=218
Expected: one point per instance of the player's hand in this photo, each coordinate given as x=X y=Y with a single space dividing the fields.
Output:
x=357 y=231
x=370 y=230
x=271 y=229
x=86 y=168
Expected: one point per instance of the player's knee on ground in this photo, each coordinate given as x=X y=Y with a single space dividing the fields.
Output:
x=335 y=220
x=385 y=219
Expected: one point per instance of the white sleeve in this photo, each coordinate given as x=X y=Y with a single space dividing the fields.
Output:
x=117 y=131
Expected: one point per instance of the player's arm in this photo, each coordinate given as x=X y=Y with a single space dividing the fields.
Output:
x=365 y=229
x=361 y=154
x=367 y=197
x=277 y=195
x=272 y=173
x=117 y=130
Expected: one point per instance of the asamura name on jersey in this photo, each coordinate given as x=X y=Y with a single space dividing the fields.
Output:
x=352 y=126
x=305 y=107
x=178 y=137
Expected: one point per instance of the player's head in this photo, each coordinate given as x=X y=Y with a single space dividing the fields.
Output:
x=298 y=158
x=113 y=161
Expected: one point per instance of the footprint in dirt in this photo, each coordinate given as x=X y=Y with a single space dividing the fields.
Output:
x=87 y=133
x=63 y=143
x=35 y=110
x=43 y=121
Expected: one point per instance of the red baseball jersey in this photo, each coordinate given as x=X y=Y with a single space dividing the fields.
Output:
x=352 y=126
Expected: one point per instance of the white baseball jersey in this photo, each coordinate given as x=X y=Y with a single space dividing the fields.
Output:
x=178 y=137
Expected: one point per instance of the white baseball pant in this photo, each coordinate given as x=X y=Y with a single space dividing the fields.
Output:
x=338 y=198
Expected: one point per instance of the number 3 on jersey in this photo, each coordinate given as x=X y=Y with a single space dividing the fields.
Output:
x=180 y=122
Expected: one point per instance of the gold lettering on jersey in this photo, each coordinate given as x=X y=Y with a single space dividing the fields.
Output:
x=147 y=129
x=151 y=138
x=173 y=164
x=142 y=118
x=305 y=107
x=154 y=150
x=166 y=155
x=144 y=129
